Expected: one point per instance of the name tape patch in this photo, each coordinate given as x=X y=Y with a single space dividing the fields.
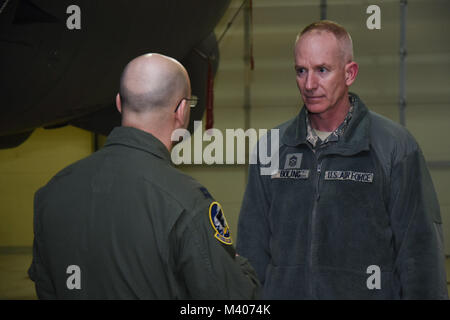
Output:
x=291 y=174
x=349 y=175
x=219 y=223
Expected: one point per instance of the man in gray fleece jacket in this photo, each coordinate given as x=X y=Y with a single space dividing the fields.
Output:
x=351 y=212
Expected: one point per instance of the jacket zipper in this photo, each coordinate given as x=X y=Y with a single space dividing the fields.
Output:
x=313 y=218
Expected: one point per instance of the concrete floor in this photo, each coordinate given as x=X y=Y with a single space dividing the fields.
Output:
x=15 y=284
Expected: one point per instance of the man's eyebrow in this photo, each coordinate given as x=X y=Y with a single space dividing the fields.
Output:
x=319 y=65
x=326 y=65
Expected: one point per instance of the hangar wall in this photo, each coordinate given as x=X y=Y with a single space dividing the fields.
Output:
x=28 y=167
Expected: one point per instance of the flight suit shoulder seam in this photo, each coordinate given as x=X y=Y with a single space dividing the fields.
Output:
x=169 y=193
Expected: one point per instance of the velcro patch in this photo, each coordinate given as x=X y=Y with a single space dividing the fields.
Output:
x=293 y=161
x=291 y=174
x=349 y=175
x=219 y=223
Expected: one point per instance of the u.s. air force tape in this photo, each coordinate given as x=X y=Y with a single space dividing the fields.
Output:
x=219 y=223
x=349 y=175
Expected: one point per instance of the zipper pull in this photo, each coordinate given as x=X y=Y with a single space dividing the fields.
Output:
x=319 y=169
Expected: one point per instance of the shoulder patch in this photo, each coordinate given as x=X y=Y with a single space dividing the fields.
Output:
x=206 y=193
x=219 y=223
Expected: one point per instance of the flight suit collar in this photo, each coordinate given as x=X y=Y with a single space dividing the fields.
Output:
x=138 y=139
x=354 y=139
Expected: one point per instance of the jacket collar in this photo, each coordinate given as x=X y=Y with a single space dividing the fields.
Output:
x=354 y=139
x=138 y=139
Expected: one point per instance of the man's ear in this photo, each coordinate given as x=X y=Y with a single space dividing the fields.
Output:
x=351 y=71
x=118 y=103
x=180 y=114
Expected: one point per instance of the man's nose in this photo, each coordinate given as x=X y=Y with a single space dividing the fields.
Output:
x=311 y=82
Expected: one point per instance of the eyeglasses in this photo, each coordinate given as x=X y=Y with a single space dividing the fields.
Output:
x=192 y=102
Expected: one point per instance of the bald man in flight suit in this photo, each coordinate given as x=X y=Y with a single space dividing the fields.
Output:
x=123 y=223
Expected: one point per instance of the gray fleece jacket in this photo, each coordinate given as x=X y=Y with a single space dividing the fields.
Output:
x=357 y=218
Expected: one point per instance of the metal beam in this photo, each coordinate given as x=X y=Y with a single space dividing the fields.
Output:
x=403 y=53
x=323 y=9
x=247 y=80
x=247 y=74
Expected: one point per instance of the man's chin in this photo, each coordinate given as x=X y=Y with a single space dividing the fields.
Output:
x=316 y=107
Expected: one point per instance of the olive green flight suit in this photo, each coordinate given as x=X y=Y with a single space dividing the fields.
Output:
x=123 y=223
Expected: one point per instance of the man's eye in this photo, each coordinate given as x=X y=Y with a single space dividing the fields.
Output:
x=322 y=69
x=300 y=70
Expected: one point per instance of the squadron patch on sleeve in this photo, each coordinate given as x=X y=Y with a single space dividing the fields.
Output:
x=219 y=223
